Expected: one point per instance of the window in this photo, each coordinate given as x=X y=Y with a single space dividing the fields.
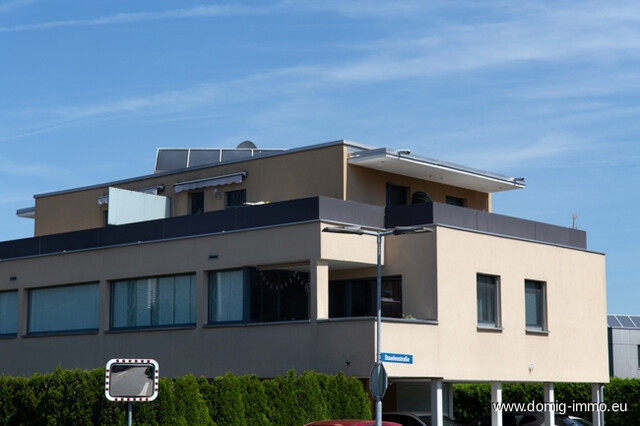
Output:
x=64 y=309
x=357 y=297
x=488 y=300
x=8 y=313
x=154 y=302
x=638 y=357
x=455 y=201
x=396 y=195
x=254 y=295
x=197 y=202
x=236 y=198
x=535 y=305
x=226 y=296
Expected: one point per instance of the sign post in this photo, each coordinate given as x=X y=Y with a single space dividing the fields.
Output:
x=378 y=381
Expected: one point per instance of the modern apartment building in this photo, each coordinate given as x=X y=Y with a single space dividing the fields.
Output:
x=218 y=262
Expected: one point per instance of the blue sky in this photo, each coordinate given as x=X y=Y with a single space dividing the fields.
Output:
x=546 y=90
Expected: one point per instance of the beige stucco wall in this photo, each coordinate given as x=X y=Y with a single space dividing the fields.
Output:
x=439 y=283
x=456 y=350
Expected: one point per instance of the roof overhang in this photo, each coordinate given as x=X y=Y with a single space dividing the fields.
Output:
x=401 y=162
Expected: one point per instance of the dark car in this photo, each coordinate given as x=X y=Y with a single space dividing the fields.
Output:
x=414 y=418
x=529 y=418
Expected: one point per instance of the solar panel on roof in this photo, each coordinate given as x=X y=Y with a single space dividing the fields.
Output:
x=612 y=321
x=171 y=159
x=626 y=321
x=199 y=157
x=636 y=320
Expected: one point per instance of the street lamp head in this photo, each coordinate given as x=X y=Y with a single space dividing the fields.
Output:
x=399 y=230
x=344 y=230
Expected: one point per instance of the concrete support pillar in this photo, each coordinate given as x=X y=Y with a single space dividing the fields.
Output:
x=319 y=292
x=437 y=410
x=549 y=399
x=597 y=397
x=448 y=388
x=496 y=404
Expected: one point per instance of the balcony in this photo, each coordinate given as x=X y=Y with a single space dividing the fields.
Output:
x=294 y=211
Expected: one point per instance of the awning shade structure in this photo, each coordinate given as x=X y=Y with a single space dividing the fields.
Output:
x=209 y=182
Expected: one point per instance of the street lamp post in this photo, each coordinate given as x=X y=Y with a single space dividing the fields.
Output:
x=357 y=230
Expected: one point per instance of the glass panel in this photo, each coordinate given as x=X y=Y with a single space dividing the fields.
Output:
x=636 y=320
x=66 y=308
x=612 y=321
x=357 y=297
x=487 y=299
x=626 y=321
x=226 y=289
x=198 y=157
x=171 y=159
x=149 y=302
x=236 y=198
x=279 y=295
x=396 y=195
x=534 y=304
x=197 y=202
x=9 y=312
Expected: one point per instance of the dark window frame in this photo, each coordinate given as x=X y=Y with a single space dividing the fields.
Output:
x=154 y=317
x=455 y=201
x=196 y=201
x=235 y=198
x=268 y=295
x=396 y=195
x=488 y=316
x=356 y=297
x=537 y=289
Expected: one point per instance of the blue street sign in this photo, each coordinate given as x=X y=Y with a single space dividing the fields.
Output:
x=401 y=358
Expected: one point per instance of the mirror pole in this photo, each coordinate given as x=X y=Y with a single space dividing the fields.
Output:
x=129 y=410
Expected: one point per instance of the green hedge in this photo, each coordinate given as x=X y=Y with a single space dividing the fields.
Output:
x=77 y=397
x=474 y=400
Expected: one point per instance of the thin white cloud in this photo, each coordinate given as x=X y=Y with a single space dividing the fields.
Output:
x=522 y=153
x=128 y=18
x=15 y=4
x=549 y=34
x=12 y=168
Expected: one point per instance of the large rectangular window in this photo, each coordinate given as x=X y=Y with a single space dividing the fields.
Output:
x=255 y=295
x=357 y=297
x=64 y=309
x=8 y=313
x=535 y=305
x=154 y=302
x=488 y=300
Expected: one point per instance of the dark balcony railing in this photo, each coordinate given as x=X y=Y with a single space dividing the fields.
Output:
x=246 y=217
x=460 y=217
x=294 y=211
